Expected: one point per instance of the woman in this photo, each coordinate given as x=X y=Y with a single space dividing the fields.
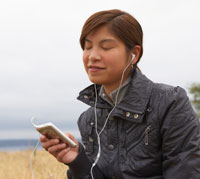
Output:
x=134 y=128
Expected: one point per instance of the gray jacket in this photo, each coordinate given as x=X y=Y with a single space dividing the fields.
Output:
x=153 y=133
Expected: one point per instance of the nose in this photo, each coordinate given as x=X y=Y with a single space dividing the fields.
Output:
x=94 y=55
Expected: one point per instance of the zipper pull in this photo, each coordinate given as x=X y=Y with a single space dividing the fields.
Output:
x=146 y=138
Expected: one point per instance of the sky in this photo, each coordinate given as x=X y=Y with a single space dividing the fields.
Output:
x=41 y=69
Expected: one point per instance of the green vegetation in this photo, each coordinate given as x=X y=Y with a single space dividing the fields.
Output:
x=194 y=90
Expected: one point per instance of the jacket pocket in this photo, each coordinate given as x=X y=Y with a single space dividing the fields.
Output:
x=88 y=138
x=89 y=147
x=140 y=135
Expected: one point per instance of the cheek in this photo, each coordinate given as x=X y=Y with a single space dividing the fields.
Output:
x=109 y=60
x=85 y=60
x=115 y=62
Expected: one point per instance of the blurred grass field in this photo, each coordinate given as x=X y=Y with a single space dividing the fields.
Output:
x=16 y=165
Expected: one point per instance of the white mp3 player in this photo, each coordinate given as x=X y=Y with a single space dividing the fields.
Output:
x=51 y=131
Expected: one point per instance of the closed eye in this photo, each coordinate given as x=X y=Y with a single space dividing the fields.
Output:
x=87 y=48
x=88 y=44
x=107 y=48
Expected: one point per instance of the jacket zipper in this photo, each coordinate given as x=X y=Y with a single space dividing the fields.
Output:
x=146 y=138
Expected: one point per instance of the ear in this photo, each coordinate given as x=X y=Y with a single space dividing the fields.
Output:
x=136 y=50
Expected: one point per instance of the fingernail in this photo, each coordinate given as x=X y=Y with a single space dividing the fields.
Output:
x=56 y=141
x=63 y=145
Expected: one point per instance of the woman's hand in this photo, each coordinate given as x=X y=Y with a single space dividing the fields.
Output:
x=61 y=151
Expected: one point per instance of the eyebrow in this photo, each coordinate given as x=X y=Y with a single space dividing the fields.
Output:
x=102 y=41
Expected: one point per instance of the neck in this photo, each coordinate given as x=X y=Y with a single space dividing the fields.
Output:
x=111 y=87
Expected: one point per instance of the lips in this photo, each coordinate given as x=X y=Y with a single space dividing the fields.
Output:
x=95 y=68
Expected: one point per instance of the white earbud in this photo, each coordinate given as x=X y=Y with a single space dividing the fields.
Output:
x=133 y=56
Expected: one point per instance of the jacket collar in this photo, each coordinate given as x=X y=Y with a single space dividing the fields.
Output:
x=132 y=106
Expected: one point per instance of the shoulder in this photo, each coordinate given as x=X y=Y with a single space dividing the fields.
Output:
x=144 y=87
x=166 y=89
x=173 y=104
x=168 y=94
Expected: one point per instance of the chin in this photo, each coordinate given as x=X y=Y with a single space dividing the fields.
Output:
x=96 y=81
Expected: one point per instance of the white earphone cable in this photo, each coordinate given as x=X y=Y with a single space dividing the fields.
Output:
x=95 y=112
x=32 y=157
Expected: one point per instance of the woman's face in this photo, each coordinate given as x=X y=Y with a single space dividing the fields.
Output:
x=105 y=57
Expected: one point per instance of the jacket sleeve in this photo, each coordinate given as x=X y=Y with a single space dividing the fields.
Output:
x=180 y=131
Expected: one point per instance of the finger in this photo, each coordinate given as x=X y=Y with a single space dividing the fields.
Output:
x=62 y=153
x=56 y=148
x=50 y=143
x=71 y=137
x=43 y=138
